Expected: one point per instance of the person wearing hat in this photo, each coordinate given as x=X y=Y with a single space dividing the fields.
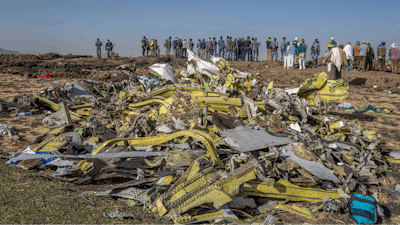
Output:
x=269 y=48
x=98 y=46
x=349 y=52
x=357 y=58
x=394 y=55
x=315 y=50
x=109 y=47
x=338 y=61
x=143 y=45
x=332 y=44
x=381 y=54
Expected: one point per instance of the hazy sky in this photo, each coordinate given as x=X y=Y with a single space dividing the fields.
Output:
x=72 y=26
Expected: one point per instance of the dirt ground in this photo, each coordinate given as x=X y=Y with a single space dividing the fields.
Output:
x=18 y=74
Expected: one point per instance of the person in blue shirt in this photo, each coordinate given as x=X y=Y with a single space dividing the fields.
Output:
x=98 y=46
x=221 y=46
x=291 y=53
x=269 y=49
x=301 y=55
x=315 y=50
x=274 y=47
x=246 y=45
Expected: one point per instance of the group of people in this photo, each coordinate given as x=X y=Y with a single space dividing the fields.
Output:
x=150 y=47
x=109 y=47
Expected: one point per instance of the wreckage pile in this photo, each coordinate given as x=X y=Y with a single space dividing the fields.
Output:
x=207 y=143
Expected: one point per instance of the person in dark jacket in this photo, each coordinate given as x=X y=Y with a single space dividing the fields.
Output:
x=143 y=45
x=203 y=48
x=175 y=46
x=246 y=45
x=370 y=56
x=155 y=47
x=215 y=44
x=221 y=46
x=191 y=45
x=98 y=46
x=240 y=44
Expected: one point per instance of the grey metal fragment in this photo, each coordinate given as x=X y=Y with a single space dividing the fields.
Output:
x=78 y=90
x=315 y=168
x=89 y=156
x=119 y=215
x=249 y=139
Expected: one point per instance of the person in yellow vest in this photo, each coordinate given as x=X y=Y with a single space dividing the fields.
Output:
x=151 y=47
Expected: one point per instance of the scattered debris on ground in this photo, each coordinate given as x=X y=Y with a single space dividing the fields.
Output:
x=210 y=143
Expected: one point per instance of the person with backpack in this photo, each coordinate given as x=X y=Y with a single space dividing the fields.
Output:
x=274 y=47
x=394 y=55
x=315 y=50
x=381 y=54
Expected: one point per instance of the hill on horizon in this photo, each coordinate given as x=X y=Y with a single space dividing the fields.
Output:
x=8 y=52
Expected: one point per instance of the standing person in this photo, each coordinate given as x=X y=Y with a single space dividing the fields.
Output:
x=165 y=48
x=296 y=40
x=357 y=58
x=147 y=47
x=221 y=46
x=215 y=44
x=315 y=50
x=179 y=49
x=269 y=49
x=109 y=47
x=349 y=52
x=254 y=47
x=394 y=55
x=235 y=49
x=209 y=48
x=285 y=56
x=370 y=56
x=246 y=44
x=241 y=49
x=143 y=45
x=301 y=55
x=228 y=48
x=283 y=49
x=305 y=48
x=203 y=48
x=169 y=46
x=198 y=47
x=363 y=54
x=191 y=45
x=338 y=61
x=184 y=48
x=155 y=47
x=232 y=49
x=151 y=47
x=175 y=46
x=381 y=54
x=332 y=44
x=98 y=46
x=274 y=47
x=291 y=54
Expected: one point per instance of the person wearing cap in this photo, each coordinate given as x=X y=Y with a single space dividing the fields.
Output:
x=98 y=46
x=315 y=50
x=363 y=54
x=349 y=52
x=283 y=49
x=184 y=48
x=274 y=47
x=381 y=54
x=394 y=55
x=357 y=58
x=332 y=44
x=296 y=40
x=370 y=57
x=169 y=46
x=143 y=45
x=221 y=47
x=338 y=60
x=269 y=48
